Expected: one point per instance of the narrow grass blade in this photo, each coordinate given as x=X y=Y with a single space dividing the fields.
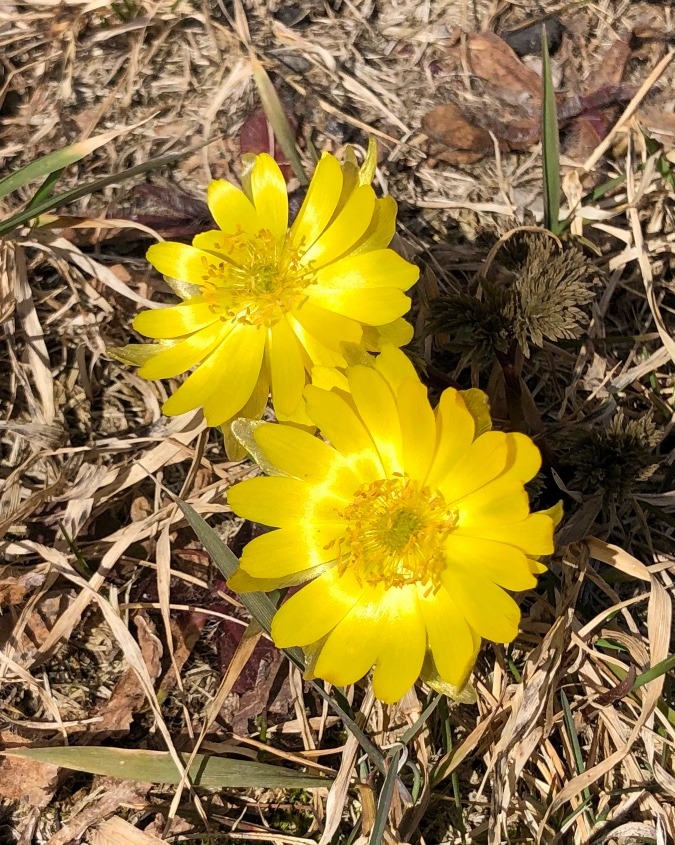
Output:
x=384 y=802
x=53 y=161
x=662 y=668
x=276 y=115
x=262 y=609
x=92 y=187
x=46 y=189
x=576 y=750
x=158 y=767
x=550 y=144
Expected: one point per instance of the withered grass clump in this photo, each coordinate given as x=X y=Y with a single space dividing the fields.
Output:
x=613 y=459
x=536 y=293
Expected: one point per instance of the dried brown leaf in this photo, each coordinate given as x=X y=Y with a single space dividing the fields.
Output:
x=26 y=782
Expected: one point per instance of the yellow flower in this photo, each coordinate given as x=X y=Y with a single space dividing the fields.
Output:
x=409 y=527
x=263 y=304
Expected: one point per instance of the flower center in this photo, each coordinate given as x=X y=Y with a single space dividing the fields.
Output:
x=395 y=533
x=258 y=281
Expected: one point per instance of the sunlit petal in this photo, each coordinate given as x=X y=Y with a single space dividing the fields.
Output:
x=270 y=197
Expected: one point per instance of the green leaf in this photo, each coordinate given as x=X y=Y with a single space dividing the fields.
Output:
x=91 y=188
x=550 y=144
x=46 y=189
x=52 y=162
x=665 y=666
x=158 y=767
x=276 y=115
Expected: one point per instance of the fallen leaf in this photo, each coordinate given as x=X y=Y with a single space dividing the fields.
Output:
x=490 y=58
x=128 y=697
x=26 y=782
x=16 y=581
x=256 y=136
x=454 y=139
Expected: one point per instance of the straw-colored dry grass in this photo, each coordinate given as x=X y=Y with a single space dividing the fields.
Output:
x=115 y=628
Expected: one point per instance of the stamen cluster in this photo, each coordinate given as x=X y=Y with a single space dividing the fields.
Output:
x=395 y=533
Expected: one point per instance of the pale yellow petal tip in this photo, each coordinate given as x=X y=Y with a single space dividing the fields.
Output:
x=234 y=449
x=462 y=692
x=478 y=405
x=462 y=695
x=134 y=354
x=185 y=290
x=242 y=582
x=369 y=166
x=556 y=513
x=242 y=433
x=397 y=333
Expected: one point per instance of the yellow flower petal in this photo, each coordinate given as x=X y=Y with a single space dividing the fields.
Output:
x=345 y=230
x=252 y=410
x=327 y=378
x=292 y=549
x=287 y=370
x=376 y=406
x=373 y=306
x=380 y=269
x=182 y=262
x=316 y=609
x=231 y=208
x=449 y=635
x=418 y=428
x=340 y=424
x=319 y=204
x=351 y=648
x=198 y=388
x=397 y=333
x=454 y=435
x=381 y=230
x=395 y=367
x=498 y=562
x=270 y=196
x=533 y=535
x=483 y=461
x=302 y=455
x=317 y=353
x=175 y=320
x=497 y=502
x=183 y=355
x=322 y=334
x=215 y=242
x=331 y=329
x=404 y=643
x=283 y=502
x=486 y=607
x=524 y=460
x=240 y=360
x=536 y=568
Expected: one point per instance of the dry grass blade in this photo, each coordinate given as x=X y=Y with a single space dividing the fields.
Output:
x=38 y=357
x=117 y=831
x=274 y=112
x=659 y=621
